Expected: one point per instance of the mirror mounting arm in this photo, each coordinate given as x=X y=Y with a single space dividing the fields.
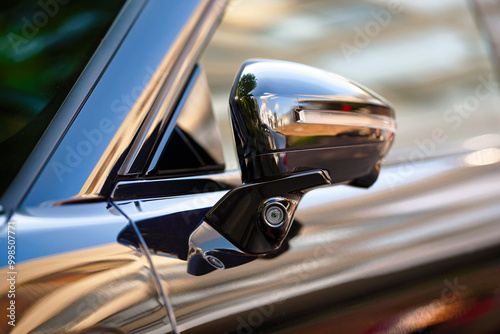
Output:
x=295 y=128
x=252 y=219
x=235 y=215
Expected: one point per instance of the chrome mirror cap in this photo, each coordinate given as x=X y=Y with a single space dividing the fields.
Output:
x=289 y=117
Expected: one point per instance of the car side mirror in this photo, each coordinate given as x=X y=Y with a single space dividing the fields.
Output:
x=296 y=128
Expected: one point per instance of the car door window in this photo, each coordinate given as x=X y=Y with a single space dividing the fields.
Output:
x=189 y=157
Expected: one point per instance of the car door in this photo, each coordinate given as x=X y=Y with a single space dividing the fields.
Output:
x=417 y=252
x=355 y=260
x=66 y=269
x=413 y=253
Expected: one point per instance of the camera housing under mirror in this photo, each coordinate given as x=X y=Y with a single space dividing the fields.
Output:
x=296 y=128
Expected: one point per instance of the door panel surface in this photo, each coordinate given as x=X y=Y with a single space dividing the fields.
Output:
x=102 y=236
x=363 y=261
x=70 y=274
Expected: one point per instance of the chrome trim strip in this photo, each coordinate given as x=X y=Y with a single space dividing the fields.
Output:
x=345 y=118
x=157 y=99
x=173 y=119
x=176 y=69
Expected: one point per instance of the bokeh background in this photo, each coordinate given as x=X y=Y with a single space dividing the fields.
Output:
x=427 y=57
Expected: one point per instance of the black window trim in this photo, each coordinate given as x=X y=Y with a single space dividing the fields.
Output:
x=177 y=186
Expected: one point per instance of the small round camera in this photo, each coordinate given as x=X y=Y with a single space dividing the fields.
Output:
x=275 y=214
x=215 y=262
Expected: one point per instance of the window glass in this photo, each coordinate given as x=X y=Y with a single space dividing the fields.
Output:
x=44 y=46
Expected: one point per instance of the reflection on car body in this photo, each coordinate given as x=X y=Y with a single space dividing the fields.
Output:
x=130 y=206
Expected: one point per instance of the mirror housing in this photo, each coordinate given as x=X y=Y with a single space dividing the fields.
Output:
x=295 y=128
x=289 y=117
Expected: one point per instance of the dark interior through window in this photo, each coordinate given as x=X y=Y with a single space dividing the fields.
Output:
x=183 y=155
x=194 y=146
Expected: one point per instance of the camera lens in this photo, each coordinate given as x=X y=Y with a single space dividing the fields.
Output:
x=275 y=214
x=214 y=261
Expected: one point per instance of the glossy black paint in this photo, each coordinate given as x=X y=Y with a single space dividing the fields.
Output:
x=367 y=261
x=105 y=114
x=209 y=250
x=168 y=235
x=236 y=216
x=290 y=117
x=165 y=235
x=167 y=187
x=198 y=265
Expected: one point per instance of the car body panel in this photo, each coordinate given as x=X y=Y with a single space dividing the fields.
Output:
x=46 y=230
x=417 y=251
x=91 y=152
x=404 y=247
x=71 y=106
x=70 y=274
